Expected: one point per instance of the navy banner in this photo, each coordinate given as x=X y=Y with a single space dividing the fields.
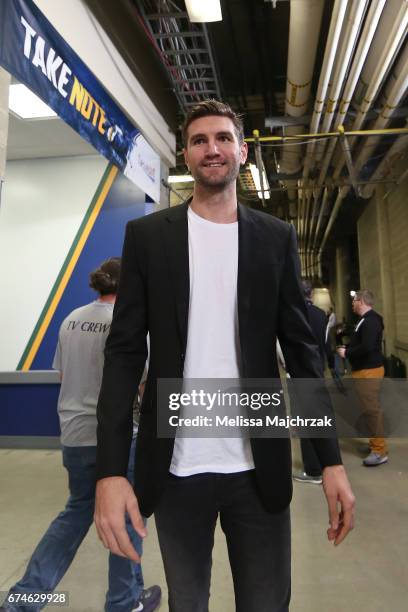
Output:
x=33 y=51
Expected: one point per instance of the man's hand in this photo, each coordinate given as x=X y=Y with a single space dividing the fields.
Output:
x=338 y=491
x=115 y=497
x=342 y=352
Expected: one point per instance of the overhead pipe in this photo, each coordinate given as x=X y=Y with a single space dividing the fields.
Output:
x=349 y=161
x=352 y=27
x=373 y=17
x=322 y=211
x=343 y=191
x=327 y=66
x=361 y=54
x=397 y=92
x=349 y=133
x=394 y=41
x=388 y=18
x=304 y=29
x=336 y=23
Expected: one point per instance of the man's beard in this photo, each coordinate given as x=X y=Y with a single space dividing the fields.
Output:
x=218 y=184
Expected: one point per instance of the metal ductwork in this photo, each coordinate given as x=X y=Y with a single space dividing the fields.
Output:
x=388 y=19
x=304 y=29
x=381 y=32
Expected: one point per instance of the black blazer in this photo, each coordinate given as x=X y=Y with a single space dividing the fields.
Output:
x=318 y=324
x=153 y=297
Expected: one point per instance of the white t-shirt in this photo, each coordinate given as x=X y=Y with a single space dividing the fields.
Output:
x=213 y=348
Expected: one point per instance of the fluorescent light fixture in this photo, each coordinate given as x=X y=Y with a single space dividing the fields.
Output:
x=180 y=178
x=26 y=104
x=256 y=178
x=203 y=11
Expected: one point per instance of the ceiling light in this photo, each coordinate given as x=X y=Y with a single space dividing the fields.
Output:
x=180 y=178
x=255 y=176
x=204 y=11
x=24 y=103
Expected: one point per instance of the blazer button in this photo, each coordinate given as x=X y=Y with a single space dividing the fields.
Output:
x=182 y=356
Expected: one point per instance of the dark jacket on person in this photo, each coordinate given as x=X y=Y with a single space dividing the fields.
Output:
x=153 y=297
x=318 y=323
x=364 y=351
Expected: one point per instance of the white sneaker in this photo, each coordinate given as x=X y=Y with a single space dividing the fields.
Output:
x=374 y=459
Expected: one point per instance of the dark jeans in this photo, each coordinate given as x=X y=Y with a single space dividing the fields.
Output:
x=258 y=542
x=311 y=463
x=58 y=546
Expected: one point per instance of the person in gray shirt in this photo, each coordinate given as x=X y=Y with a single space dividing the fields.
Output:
x=79 y=357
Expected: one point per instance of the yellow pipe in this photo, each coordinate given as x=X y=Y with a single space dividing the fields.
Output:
x=383 y=132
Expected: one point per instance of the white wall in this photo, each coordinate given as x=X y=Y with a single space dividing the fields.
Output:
x=76 y=24
x=42 y=206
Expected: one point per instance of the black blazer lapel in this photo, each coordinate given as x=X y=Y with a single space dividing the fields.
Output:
x=175 y=233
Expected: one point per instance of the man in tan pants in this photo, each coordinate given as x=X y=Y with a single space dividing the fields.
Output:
x=365 y=355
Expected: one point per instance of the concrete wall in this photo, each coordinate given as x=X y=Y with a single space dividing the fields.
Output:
x=383 y=251
x=369 y=252
x=398 y=278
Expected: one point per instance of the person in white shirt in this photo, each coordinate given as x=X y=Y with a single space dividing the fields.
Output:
x=214 y=283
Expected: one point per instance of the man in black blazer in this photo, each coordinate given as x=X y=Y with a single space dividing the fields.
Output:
x=312 y=471
x=214 y=283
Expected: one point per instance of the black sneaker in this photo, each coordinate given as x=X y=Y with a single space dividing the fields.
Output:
x=149 y=600
x=303 y=477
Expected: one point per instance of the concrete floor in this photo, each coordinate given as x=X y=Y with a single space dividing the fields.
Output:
x=367 y=573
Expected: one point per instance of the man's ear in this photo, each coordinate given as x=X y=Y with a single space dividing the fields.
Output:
x=186 y=158
x=244 y=152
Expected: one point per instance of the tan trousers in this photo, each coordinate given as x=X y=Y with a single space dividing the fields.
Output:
x=368 y=393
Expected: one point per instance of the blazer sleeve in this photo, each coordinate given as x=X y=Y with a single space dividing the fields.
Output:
x=299 y=345
x=125 y=358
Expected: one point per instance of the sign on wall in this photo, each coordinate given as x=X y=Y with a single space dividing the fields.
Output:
x=35 y=53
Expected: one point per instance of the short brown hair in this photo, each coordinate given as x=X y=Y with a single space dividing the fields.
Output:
x=366 y=296
x=208 y=108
